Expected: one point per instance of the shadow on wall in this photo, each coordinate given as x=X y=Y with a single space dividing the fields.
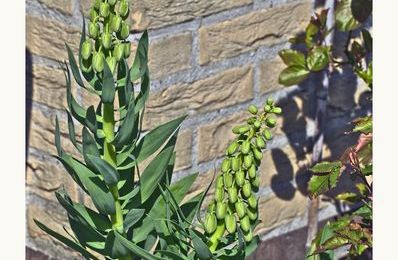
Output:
x=28 y=97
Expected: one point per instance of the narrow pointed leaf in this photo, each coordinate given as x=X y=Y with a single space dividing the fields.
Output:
x=74 y=68
x=126 y=129
x=201 y=249
x=141 y=58
x=108 y=88
x=132 y=217
x=91 y=120
x=113 y=247
x=151 y=142
x=65 y=240
x=57 y=137
x=72 y=132
x=110 y=174
x=136 y=250
x=154 y=172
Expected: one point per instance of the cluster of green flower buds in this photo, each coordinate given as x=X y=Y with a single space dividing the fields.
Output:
x=235 y=202
x=108 y=31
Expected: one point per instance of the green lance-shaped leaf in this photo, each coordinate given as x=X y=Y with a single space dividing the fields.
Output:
x=141 y=58
x=292 y=57
x=77 y=111
x=74 y=67
x=201 y=249
x=110 y=174
x=136 y=250
x=113 y=247
x=96 y=188
x=91 y=119
x=319 y=184
x=132 y=217
x=72 y=132
x=155 y=171
x=73 y=245
x=108 y=87
x=151 y=142
x=293 y=75
x=126 y=129
x=179 y=190
x=89 y=147
x=144 y=92
x=57 y=136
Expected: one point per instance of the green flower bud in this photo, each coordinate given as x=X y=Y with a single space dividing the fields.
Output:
x=232 y=194
x=235 y=163
x=267 y=108
x=111 y=63
x=253 y=109
x=219 y=194
x=98 y=61
x=235 y=129
x=246 y=147
x=93 y=14
x=248 y=236
x=87 y=48
x=267 y=134
x=260 y=142
x=252 y=214
x=240 y=178
x=277 y=110
x=251 y=120
x=226 y=164
x=118 y=51
x=127 y=49
x=258 y=154
x=244 y=129
x=221 y=210
x=230 y=223
x=112 y=2
x=232 y=148
x=124 y=31
x=271 y=121
x=219 y=182
x=104 y=10
x=257 y=124
x=240 y=209
x=270 y=101
x=245 y=223
x=106 y=40
x=255 y=183
x=248 y=160
x=247 y=189
x=116 y=23
x=252 y=201
x=252 y=171
x=97 y=4
x=93 y=30
x=124 y=9
x=211 y=207
x=210 y=223
x=228 y=179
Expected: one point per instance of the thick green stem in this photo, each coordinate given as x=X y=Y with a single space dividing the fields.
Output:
x=110 y=157
x=216 y=236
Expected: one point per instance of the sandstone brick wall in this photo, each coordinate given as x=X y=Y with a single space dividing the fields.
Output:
x=209 y=59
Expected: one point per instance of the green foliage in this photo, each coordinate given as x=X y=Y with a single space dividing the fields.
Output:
x=143 y=214
x=354 y=228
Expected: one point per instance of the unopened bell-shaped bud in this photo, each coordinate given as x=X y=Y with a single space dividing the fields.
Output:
x=97 y=4
x=106 y=40
x=124 y=9
x=124 y=31
x=104 y=10
x=93 y=14
x=116 y=23
x=112 y=2
x=127 y=49
x=118 y=52
x=98 y=61
x=253 y=109
x=111 y=63
x=86 y=49
x=93 y=30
